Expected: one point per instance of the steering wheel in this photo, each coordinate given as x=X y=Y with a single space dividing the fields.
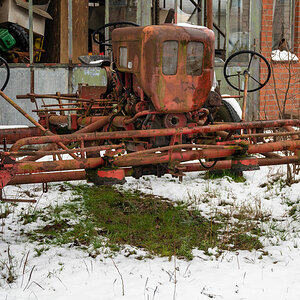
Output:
x=242 y=61
x=113 y=24
x=7 y=71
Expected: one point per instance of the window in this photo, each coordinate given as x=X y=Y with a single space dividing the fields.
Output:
x=170 y=57
x=283 y=25
x=239 y=26
x=123 y=57
x=194 y=58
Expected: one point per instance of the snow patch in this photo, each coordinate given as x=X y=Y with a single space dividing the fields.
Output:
x=278 y=55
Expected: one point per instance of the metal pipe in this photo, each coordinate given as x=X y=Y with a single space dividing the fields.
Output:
x=30 y=32
x=31 y=47
x=245 y=96
x=190 y=167
x=58 y=120
x=32 y=120
x=95 y=126
x=48 y=177
x=58 y=165
x=149 y=133
x=209 y=14
x=160 y=158
x=45 y=110
x=52 y=96
x=60 y=152
x=14 y=134
x=106 y=22
x=156 y=158
x=70 y=31
x=176 y=10
x=227 y=164
x=139 y=12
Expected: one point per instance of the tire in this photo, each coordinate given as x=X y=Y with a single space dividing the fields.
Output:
x=20 y=35
x=4 y=62
x=226 y=113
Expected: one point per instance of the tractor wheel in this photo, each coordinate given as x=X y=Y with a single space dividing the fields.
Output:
x=227 y=113
x=6 y=76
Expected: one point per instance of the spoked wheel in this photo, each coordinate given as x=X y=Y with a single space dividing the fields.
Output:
x=238 y=65
x=5 y=75
x=99 y=31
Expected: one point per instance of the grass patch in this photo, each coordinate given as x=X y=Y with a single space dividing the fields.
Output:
x=100 y=217
x=215 y=174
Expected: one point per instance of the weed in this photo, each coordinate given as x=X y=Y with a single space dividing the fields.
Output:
x=39 y=251
x=231 y=175
x=8 y=268
x=293 y=211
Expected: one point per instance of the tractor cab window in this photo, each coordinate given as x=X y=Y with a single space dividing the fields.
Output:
x=170 y=57
x=283 y=25
x=123 y=57
x=194 y=58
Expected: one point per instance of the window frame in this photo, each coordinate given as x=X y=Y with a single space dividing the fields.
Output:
x=165 y=61
x=192 y=73
x=122 y=58
x=291 y=27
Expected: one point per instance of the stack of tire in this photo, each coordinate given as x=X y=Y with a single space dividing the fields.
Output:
x=20 y=36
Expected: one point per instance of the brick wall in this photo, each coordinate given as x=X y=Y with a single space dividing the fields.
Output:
x=284 y=74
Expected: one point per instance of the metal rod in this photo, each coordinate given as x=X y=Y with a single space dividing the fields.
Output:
x=219 y=21
x=61 y=104
x=176 y=10
x=106 y=32
x=57 y=152
x=30 y=32
x=48 y=177
x=187 y=167
x=70 y=30
x=209 y=14
x=52 y=96
x=229 y=96
x=245 y=96
x=147 y=133
x=70 y=109
x=32 y=120
x=227 y=164
x=31 y=46
x=267 y=134
x=19 y=200
x=61 y=165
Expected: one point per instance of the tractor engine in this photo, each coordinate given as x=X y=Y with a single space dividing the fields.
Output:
x=160 y=77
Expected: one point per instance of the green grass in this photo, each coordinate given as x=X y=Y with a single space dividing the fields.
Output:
x=100 y=217
x=215 y=174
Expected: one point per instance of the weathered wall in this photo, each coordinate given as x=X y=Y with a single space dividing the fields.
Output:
x=282 y=85
x=46 y=80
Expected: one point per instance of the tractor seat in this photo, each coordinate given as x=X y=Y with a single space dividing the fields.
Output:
x=95 y=60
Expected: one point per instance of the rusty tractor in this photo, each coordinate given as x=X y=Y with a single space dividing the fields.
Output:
x=158 y=114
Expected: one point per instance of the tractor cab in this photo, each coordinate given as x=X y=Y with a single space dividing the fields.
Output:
x=172 y=64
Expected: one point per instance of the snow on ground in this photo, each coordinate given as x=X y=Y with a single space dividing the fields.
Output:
x=67 y=273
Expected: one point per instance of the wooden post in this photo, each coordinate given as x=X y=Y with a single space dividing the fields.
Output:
x=245 y=96
x=106 y=21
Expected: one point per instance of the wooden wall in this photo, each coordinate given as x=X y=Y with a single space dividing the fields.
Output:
x=56 y=32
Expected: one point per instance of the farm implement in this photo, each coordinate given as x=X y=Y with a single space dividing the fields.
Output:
x=160 y=113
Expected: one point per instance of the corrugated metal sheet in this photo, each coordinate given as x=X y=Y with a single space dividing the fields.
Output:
x=46 y=80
